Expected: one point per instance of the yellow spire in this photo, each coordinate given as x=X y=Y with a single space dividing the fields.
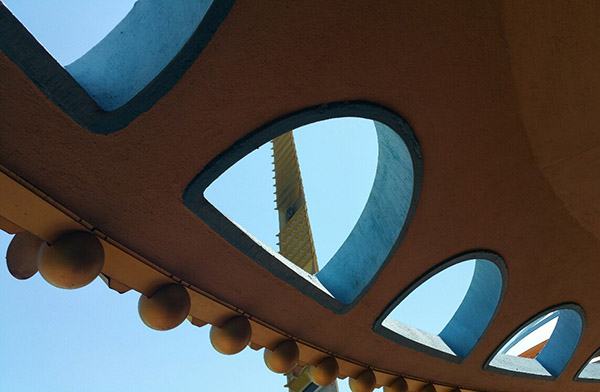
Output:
x=295 y=237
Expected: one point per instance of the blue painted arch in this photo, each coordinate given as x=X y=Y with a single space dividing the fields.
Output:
x=467 y=326
x=379 y=229
x=556 y=354
x=128 y=71
x=361 y=255
x=137 y=49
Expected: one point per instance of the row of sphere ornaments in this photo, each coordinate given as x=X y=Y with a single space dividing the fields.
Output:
x=75 y=259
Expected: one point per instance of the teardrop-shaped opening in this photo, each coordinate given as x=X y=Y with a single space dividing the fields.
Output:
x=543 y=346
x=590 y=372
x=320 y=198
x=446 y=312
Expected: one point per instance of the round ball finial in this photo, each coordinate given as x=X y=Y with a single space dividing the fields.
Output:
x=428 y=388
x=166 y=308
x=22 y=255
x=283 y=358
x=399 y=385
x=232 y=337
x=365 y=382
x=72 y=261
x=325 y=373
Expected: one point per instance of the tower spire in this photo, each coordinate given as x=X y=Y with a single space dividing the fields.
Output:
x=295 y=237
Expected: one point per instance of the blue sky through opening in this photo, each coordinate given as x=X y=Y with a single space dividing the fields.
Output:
x=69 y=28
x=432 y=304
x=338 y=161
x=92 y=338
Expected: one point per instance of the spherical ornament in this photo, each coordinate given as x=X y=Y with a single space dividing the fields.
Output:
x=283 y=358
x=166 y=308
x=399 y=385
x=325 y=373
x=428 y=388
x=232 y=337
x=22 y=255
x=72 y=261
x=365 y=382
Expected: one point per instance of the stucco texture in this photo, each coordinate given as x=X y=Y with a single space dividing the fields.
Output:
x=465 y=75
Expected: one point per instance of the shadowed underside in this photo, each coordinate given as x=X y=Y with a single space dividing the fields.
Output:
x=503 y=98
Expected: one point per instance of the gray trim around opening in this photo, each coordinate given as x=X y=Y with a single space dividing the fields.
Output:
x=589 y=372
x=470 y=321
x=338 y=288
x=135 y=88
x=556 y=354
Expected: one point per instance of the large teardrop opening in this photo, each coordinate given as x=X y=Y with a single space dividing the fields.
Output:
x=344 y=186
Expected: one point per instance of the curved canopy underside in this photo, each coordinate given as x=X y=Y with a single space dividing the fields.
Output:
x=502 y=97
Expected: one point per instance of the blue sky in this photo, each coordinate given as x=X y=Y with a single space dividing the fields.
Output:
x=338 y=160
x=93 y=339
x=69 y=28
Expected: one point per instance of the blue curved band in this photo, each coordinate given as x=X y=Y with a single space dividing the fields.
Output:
x=379 y=230
x=556 y=354
x=470 y=321
x=127 y=72
x=366 y=248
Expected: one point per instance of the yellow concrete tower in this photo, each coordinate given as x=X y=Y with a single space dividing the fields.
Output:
x=295 y=237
